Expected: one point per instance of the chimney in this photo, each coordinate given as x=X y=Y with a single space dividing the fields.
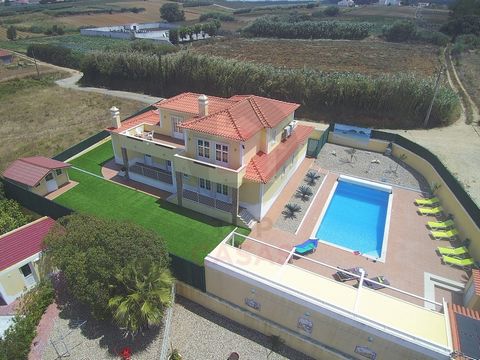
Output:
x=203 y=105
x=116 y=123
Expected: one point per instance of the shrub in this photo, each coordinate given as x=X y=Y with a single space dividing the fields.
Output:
x=91 y=251
x=432 y=37
x=400 y=31
x=332 y=11
x=57 y=55
x=171 y=12
x=216 y=15
x=242 y=11
x=11 y=215
x=269 y=27
x=465 y=43
x=17 y=340
x=469 y=24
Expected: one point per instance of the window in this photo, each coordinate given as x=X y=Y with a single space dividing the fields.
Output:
x=222 y=189
x=58 y=171
x=26 y=270
x=205 y=184
x=221 y=153
x=49 y=177
x=177 y=120
x=203 y=148
x=273 y=135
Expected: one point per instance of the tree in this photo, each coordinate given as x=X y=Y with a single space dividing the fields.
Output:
x=190 y=32
x=11 y=216
x=173 y=36
x=171 y=12
x=197 y=29
x=331 y=11
x=91 y=251
x=400 y=31
x=11 y=33
x=143 y=290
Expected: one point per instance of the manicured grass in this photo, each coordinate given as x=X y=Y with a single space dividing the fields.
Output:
x=93 y=160
x=188 y=234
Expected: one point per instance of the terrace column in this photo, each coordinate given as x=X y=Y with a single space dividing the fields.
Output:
x=179 y=178
x=125 y=161
x=234 y=205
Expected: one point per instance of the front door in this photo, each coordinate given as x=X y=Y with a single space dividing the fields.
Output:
x=28 y=276
x=51 y=183
x=169 y=166
x=177 y=130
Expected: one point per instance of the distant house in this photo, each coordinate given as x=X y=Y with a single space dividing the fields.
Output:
x=20 y=251
x=6 y=57
x=347 y=3
x=389 y=2
x=40 y=175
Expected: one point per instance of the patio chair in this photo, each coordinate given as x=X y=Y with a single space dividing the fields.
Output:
x=380 y=282
x=348 y=274
x=447 y=234
x=440 y=225
x=427 y=202
x=449 y=251
x=430 y=211
x=464 y=263
x=306 y=247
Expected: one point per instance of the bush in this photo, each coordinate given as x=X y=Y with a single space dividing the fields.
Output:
x=402 y=99
x=57 y=55
x=11 y=215
x=216 y=15
x=18 y=338
x=196 y=3
x=332 y=11
x=469 y=24
x=269 y=27
x=171 y=12
x=243 y=11
x=464 y=43
x=400 y=31
x=91 y=252
x=432 y=37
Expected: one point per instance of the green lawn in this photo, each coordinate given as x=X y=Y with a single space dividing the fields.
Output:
x=188 y=234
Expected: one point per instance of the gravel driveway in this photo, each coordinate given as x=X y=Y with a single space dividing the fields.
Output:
x=199 y=333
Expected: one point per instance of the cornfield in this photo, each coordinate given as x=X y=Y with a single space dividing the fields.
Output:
x=401 y=98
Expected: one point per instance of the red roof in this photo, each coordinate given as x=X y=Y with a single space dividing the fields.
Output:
x=4 y=53
x=188 y=102
x=150 y=117
x=21 y=243
x=476 y=280
x=262 y=167
x=458 y=309
x=247 y=115
x=31 y=170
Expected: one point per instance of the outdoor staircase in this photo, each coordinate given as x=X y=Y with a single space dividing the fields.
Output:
x=247 y=218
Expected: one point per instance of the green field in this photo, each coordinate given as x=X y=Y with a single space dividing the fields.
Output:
x=188 y=234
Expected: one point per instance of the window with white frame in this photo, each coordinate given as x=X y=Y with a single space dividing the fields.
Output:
x=273 y=135
x=177 y=121
x=222 y=189
x=204 y=184
x=221 y=153
x=203 y=148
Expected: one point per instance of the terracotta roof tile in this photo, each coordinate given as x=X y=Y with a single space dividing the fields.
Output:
x=150 y=117
x=476 y=280
x=263 y=167
x=31 y=170
x=4 y=53
x=21 y=243
x=243 y=119
x=188 y=102
x=458 y=309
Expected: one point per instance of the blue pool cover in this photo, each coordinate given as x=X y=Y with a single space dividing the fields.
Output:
x=355 y=219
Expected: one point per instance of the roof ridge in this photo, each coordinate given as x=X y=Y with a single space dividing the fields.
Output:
x=42 y=219
x=31 y=163
x=258 y=111
x=234 y=124
x=257 y=170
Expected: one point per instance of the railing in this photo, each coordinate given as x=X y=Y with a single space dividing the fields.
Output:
x=150 y=172
x=213 y=172
x=207 y=200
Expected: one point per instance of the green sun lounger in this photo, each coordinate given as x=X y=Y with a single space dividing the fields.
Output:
x=448 y=234
x=465 y=263
x=462 y=250
x=440 y=225
x=430 y=211
x=427 y=202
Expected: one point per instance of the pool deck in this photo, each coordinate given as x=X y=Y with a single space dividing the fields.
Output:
x=410 y=256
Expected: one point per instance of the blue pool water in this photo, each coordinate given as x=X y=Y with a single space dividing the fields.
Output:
x=355 y=218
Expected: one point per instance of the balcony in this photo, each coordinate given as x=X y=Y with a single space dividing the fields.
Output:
x=214 y=173
x=152 y=173
x=207 y=200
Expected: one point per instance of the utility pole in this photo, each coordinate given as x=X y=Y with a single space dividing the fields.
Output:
x=35 y=62
x=437 y=84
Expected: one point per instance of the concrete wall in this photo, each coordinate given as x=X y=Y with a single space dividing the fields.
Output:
x=207 y=210
x=370 y=145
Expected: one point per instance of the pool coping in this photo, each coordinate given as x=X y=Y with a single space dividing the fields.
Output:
x=371 y=184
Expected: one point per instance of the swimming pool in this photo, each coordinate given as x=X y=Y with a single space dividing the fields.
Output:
x=357 y=217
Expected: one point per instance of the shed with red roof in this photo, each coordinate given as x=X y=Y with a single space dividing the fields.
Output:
x=38 y=174
x=20 y=251
x=6 y=57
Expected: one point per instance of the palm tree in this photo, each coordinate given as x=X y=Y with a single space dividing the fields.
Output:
x=143 y=290
x=312 y=177
x=304 y=192
x=291 y=210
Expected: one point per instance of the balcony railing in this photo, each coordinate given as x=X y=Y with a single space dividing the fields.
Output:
x=207 y=200
x=152 y=172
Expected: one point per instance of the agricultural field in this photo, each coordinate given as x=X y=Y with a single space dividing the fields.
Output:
x=40 y=118
x=468 y=68
x=365 y=57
